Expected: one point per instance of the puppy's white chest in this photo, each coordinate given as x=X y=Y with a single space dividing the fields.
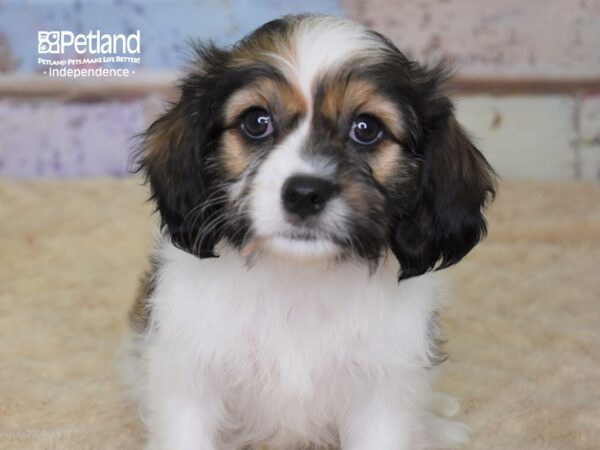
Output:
x=284 y=344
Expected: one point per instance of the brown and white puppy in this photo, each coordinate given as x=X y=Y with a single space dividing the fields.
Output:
x=306 y=180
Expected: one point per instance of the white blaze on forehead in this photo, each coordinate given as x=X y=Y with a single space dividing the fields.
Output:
x=320 y=44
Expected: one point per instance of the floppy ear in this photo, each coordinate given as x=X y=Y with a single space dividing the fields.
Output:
x=446 y=219
x=175 y=155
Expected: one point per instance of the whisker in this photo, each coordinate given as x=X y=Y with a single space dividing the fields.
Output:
x=210 y=201
x=207 y=228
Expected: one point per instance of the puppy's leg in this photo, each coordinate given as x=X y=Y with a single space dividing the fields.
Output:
x=441 y=432
x=182 y=424
x=385 y=417
x=182 y=411
x=378 y=428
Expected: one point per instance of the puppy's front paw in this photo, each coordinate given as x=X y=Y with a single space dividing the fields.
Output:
x=444 y=433
x=441 y=432
x=444 y=404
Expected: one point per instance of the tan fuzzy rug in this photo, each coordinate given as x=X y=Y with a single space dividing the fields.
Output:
x=523 y=331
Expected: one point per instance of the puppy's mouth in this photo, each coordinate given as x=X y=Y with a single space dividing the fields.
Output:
x=301 y=235
x=301 y=244
x=297 y=243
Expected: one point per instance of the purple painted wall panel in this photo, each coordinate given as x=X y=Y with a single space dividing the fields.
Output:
x=51 y=138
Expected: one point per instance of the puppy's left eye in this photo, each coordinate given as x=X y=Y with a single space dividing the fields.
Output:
x=366 y=130
x=257 y=123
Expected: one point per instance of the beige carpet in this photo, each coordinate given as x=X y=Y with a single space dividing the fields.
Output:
x=523 y=331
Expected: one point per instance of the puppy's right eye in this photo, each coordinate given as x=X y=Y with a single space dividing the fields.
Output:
x=257 y=124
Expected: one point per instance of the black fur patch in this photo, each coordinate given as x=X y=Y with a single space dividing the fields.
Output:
x=179 y=155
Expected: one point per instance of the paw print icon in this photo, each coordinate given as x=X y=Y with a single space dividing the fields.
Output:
x=48 y=42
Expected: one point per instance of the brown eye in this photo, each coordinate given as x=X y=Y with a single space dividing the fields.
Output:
x=257 y=124
x=366 y=130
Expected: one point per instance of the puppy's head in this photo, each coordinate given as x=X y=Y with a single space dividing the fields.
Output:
x=315 y=137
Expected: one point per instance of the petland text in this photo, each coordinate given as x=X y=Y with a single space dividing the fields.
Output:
x=93 y=43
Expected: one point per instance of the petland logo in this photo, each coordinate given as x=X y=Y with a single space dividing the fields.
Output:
x=93 y=43
x=94 y=54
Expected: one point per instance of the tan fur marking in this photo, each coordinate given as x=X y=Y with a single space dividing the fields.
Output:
x=235 y=156
x=386 y=162
x=250 y=96
x=354 y=195
x=277 y=97
x=293 y=99
x=275 y=49
x=342 y=100
x=333 y=100
x=358 y=96
x=382 y=108
x=164 y=137
x=139 y=314
x=283 y=102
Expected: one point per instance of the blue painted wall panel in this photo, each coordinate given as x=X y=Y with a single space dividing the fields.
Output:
x=166 y=26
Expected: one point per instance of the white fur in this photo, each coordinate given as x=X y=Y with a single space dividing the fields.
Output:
x=321 y=44
x=286 y=352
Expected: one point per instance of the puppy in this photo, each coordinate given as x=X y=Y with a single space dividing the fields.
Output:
x=307 y=179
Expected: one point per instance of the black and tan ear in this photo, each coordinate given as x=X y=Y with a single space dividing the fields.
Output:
x=446 y=219
x=175 y=156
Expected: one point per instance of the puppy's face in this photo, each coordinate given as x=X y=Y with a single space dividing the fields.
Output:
x=316 y=138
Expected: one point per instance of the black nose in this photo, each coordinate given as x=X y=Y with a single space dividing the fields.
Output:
x=305 y=195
